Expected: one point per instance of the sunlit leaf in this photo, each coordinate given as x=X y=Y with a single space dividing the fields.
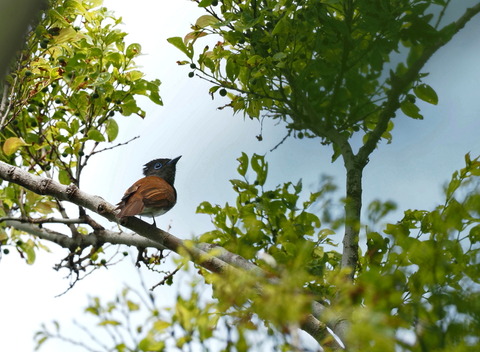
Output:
x=178 y=43
x=111 y=129
x=95 y=135
x=12 y=144
x=205 y=21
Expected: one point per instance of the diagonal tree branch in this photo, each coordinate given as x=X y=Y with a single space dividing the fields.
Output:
x=400 y=84
x=146 y=236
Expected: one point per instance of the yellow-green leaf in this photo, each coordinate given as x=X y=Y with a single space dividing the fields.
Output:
x=64 y=177
x=95 y=135
x=161 y=325
x=205 y=21
x=12 y=144
x=132 y=306
x=109 y=322
x=29 y=249
x=134 y=75
x=68 y=34
x=179 y=44
x=111 y=129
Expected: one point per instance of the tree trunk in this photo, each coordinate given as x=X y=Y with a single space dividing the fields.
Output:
x=353 y=207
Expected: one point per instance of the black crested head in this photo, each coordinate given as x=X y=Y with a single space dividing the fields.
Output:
x=164 y=168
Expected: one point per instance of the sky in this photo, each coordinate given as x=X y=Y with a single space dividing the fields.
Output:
x=411 y=171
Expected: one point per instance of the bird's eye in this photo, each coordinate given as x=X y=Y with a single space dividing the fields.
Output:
x=157 y=166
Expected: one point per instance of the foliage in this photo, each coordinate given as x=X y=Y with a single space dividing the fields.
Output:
x=319 y=65
x=418 y=281
x=73 y=77
x=417 y=289
x=327 y=69
x=134 y=321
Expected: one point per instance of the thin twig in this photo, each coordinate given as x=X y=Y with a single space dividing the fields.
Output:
x=166 y=277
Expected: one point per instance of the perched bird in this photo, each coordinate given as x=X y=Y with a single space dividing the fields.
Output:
x=152 y=195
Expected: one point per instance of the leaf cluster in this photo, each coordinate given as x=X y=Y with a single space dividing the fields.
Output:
x=317 y=65
x=419 y=283
x=60 y=101
x=273 y=228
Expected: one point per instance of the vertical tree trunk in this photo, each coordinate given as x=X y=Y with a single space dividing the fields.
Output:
x=353 y=207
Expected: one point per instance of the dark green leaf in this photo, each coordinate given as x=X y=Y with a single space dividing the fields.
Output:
x=426 y=93
x=411 y=110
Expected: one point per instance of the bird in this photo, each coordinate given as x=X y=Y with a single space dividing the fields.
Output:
x=152 y=195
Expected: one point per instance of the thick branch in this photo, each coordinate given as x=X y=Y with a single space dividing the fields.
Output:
x=400 y=84
x=94 y=239
x=148 y=235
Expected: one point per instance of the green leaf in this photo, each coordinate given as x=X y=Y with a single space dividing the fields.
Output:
x=205 y=21
x=232 y=69
x=12 y=144
x=260 y=167
x=109 y=322
x=426 y=93
x=161 y=325
x=133 y=50
x=29 y=249
x=149 y=344
x=134 y=75
x=243 y=164
x=179 y=44
x=111 y=129
x=411 y=110
x=205 y=208
x=95 y=135
x=102 y=78
x=205 y=3
x=132 y=306
x=64 y=177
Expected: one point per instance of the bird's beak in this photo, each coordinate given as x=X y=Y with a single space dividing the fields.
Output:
x=174 y=161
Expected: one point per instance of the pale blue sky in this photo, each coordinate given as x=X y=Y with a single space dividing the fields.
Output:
x=410 y=171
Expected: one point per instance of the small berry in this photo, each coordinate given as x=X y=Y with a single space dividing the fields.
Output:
x=191 y=74
x=223 y=92
x=6 y=251
x=193 y=66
